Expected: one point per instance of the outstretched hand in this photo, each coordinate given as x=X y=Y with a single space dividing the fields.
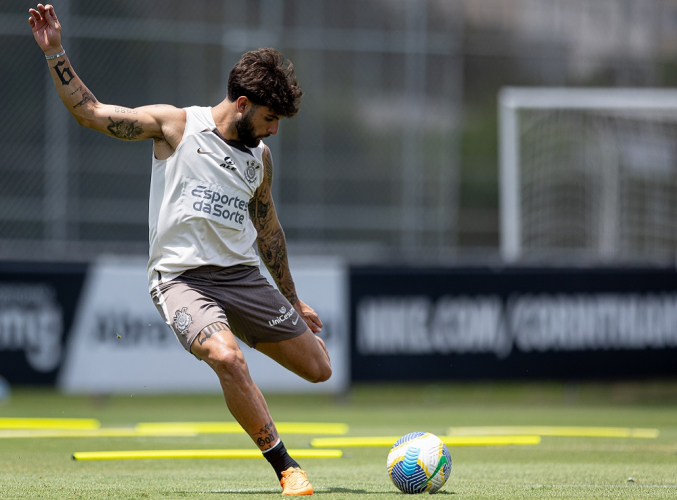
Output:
x=309 y=316
x=46 y=28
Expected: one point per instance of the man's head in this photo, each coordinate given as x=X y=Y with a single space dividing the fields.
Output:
x=266 y=79
x=250 y=133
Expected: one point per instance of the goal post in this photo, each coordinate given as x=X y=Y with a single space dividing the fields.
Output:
x=588 y=174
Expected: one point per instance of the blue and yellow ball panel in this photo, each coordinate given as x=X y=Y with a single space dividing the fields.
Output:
x=419 y=462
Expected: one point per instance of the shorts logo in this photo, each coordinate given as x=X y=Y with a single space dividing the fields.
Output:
x=182 y=320
x=284 y=316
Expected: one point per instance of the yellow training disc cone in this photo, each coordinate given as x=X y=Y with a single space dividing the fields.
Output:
x=168 y=454
x=388 y=441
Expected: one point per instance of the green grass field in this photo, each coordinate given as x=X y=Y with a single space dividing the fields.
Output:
x=558 y=467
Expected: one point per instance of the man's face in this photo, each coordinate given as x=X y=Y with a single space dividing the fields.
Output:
x=256 y=124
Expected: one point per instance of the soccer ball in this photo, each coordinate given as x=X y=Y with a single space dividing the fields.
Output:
x=419 y=462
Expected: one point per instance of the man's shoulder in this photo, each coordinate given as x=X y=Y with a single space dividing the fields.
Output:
x=199 y=118
x=201 y=112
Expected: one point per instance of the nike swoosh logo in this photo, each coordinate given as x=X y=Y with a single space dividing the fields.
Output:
x=204 y=152
x=443 y=460
x=297 y=320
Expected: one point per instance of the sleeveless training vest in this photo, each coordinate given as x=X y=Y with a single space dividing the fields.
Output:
x=197 y=212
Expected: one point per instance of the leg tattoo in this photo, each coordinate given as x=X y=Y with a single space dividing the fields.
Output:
x=207 y=332
x=267 y=435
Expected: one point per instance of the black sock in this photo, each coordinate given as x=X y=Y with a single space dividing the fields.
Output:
x=278 y=457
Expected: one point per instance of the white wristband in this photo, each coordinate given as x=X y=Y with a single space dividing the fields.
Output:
x=63 y=51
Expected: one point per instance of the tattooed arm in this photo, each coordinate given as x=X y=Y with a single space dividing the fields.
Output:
x=163 y=123
x=270 y=239
x=272 y=244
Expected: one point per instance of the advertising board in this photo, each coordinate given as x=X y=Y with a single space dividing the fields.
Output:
x=446 y=323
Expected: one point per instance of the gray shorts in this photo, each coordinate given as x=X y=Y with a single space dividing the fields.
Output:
x=238 y=296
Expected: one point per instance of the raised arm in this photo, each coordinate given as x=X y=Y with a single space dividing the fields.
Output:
x=163 y=123
x=272 y=244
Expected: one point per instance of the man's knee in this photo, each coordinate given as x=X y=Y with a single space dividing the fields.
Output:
x=325 y=373
x=228 y=363
x=321 y=373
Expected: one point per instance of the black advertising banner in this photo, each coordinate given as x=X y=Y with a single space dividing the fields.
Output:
x=37 y=305
x=512 y=323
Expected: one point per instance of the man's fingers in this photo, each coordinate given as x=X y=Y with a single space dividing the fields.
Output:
x=310 y=321
x=316 y=324
x=36 y=20
x=50 y=16
x=315 y=319
x=35 y=15
x=53 y=13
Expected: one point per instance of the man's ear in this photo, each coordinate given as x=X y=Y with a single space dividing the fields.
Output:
x=242 y=104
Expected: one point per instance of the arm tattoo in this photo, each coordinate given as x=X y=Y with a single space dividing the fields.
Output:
x=271 y=242
x=273 y=251
x=124 y=129
x=86 y=97
x=268 y=163
x=292 y=298
x=252 y=210
x=267 y=435
x=119 y=109
x=65 y=75
x=258 y=212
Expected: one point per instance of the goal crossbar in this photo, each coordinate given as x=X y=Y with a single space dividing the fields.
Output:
x=587 y=98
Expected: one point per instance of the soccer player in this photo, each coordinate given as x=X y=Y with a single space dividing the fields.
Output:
x=210 y=200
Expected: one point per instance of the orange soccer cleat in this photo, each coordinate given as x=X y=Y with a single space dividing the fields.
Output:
x=295 y=482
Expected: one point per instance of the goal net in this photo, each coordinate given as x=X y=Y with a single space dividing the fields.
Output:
x=588 y=175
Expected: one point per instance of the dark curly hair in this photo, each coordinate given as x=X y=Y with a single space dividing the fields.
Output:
x=266 y=78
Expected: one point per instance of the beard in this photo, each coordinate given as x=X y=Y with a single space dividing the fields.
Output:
x=245 y=130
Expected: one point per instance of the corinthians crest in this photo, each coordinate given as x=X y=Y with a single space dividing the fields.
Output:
x=182 y=320
x=250 y=171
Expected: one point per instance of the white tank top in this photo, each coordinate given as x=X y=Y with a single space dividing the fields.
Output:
x=198 y=201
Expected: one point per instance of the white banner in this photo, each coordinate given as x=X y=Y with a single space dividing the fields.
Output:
x=120 y=344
